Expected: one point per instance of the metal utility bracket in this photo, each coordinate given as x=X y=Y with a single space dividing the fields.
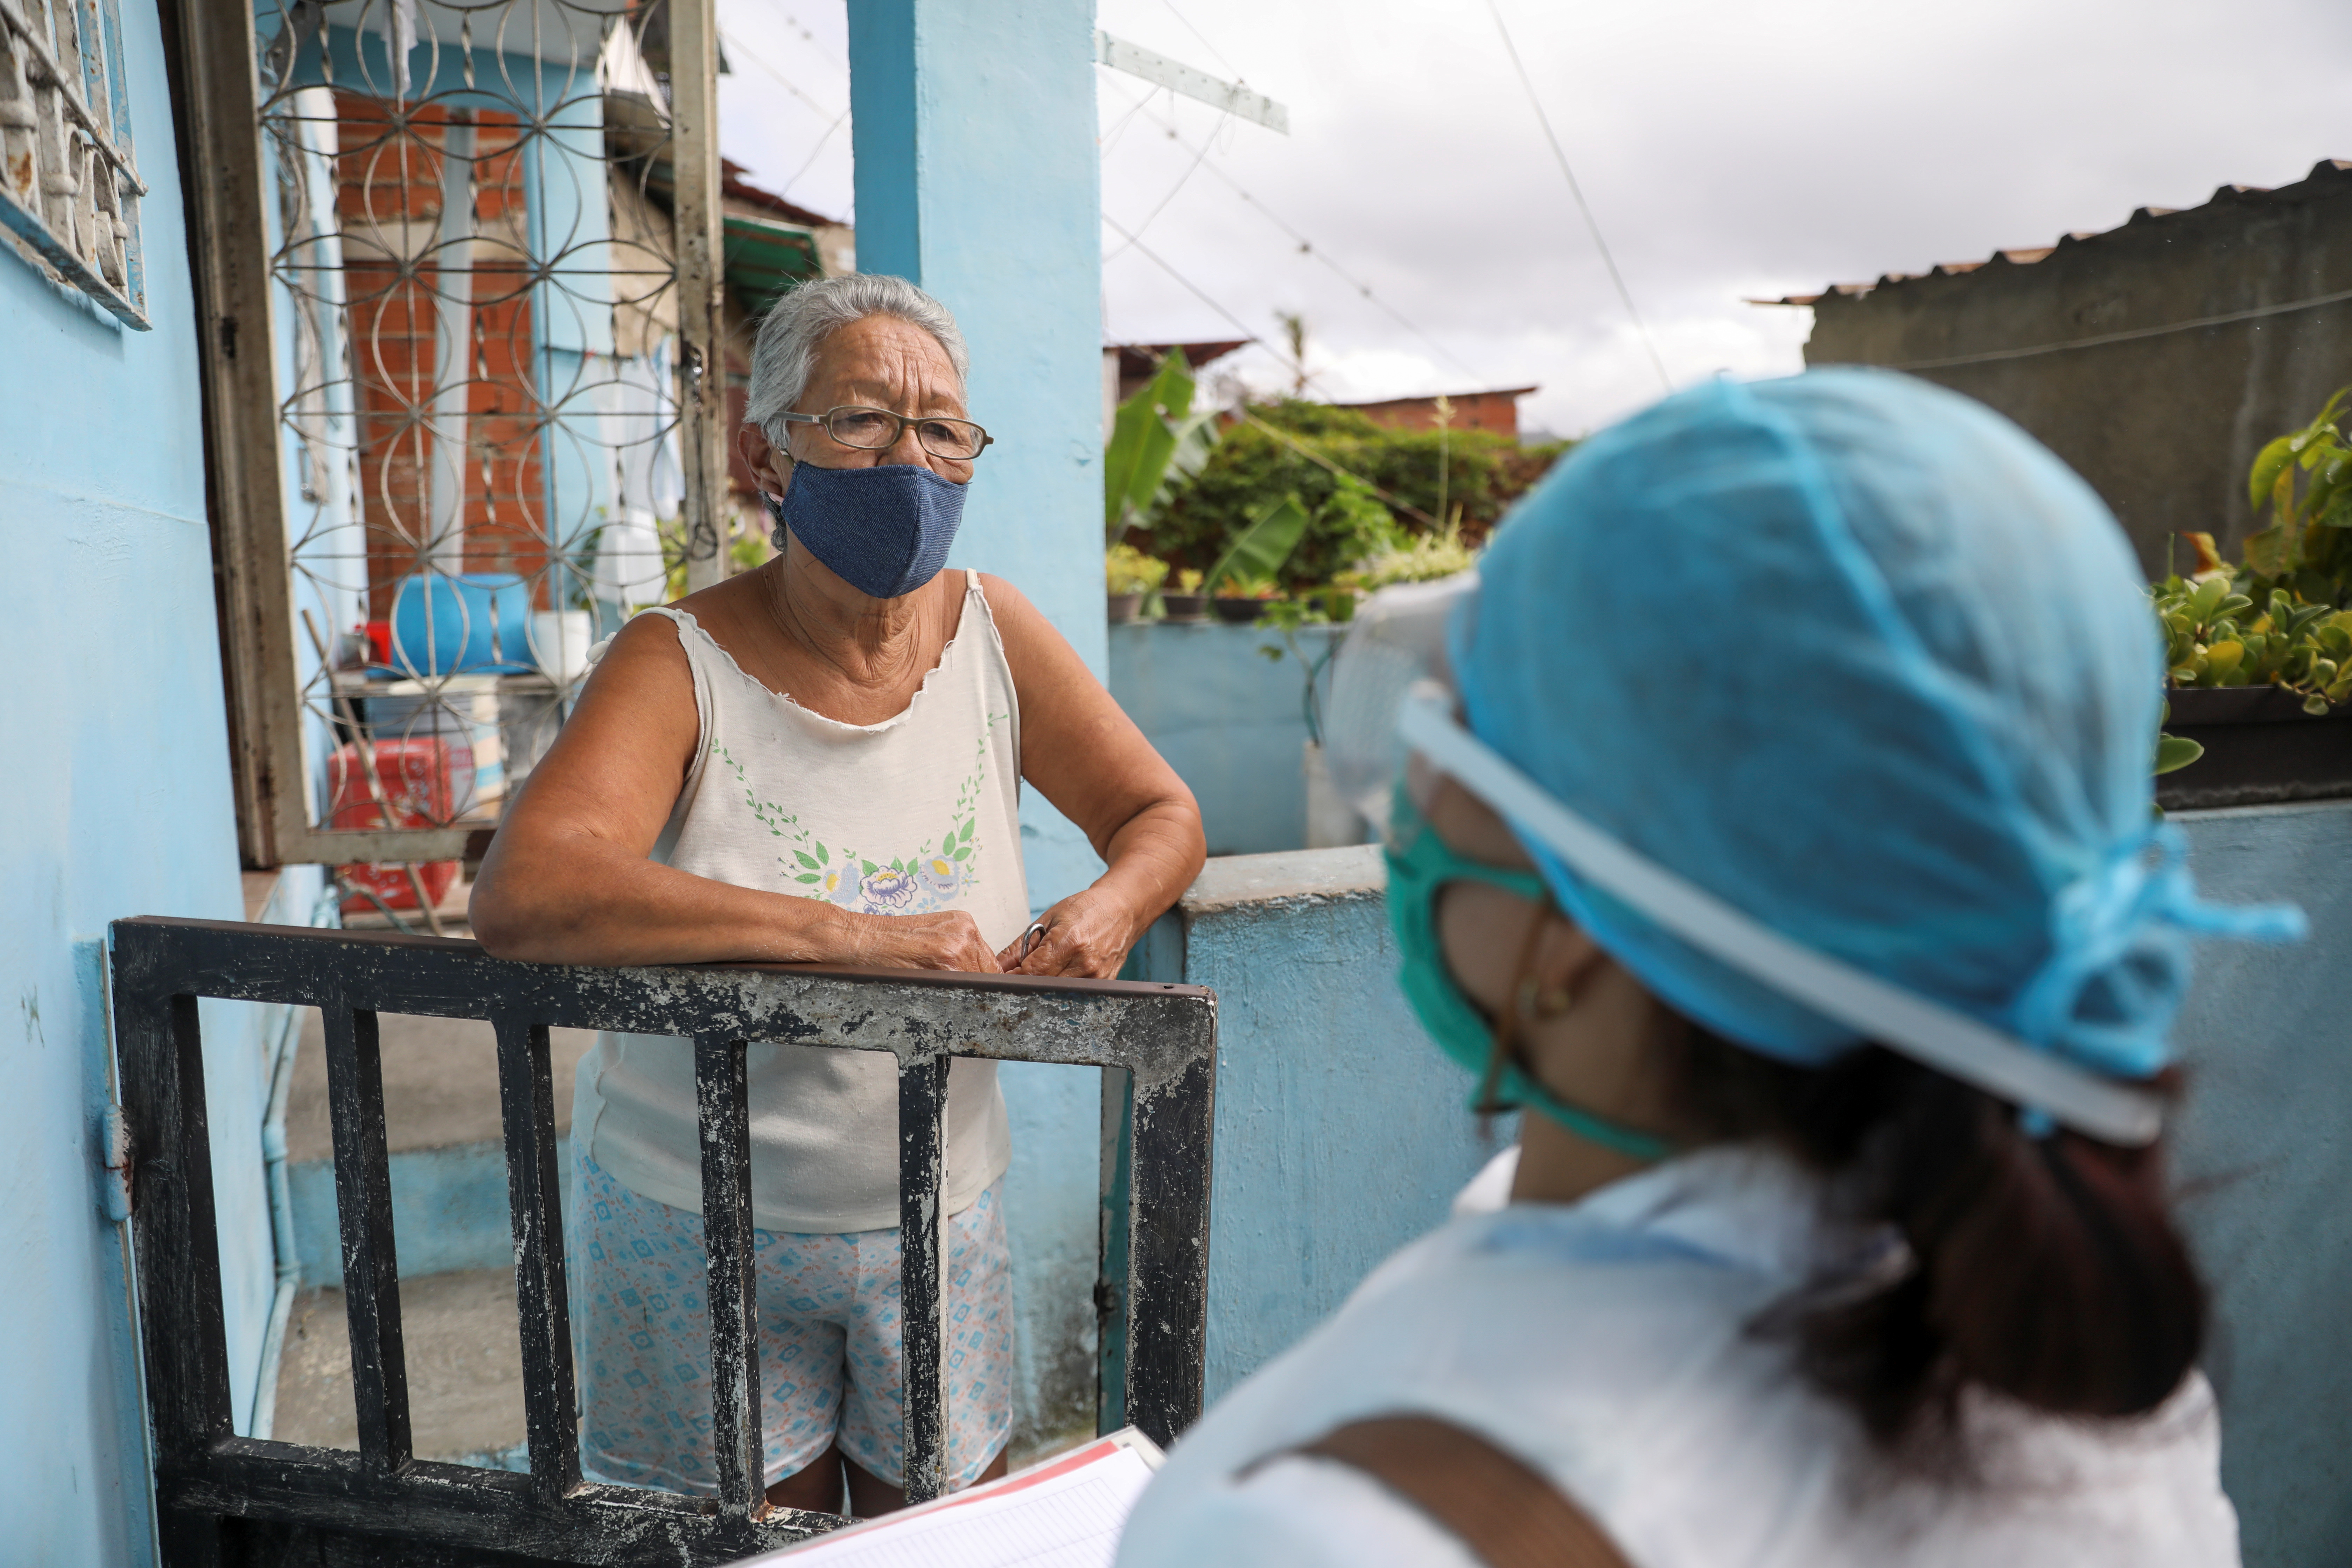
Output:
x=1177 y=77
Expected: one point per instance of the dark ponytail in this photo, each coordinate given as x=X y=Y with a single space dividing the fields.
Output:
x=2045 y=1268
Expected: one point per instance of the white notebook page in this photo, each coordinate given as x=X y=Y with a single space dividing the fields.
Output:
x=1067 y=1520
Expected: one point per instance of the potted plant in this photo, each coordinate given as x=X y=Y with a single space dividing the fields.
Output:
x=1187 y=603
x=1243 y=580
x=1330 y=820
x=1239 y=601
x=2259 y=654
x=1129 y=575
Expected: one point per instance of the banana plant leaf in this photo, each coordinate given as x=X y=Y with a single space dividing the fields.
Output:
x=1157 y=443
x=1260 y=550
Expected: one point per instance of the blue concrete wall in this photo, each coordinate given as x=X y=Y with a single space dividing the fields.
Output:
x=1341 y=1132
x=973 y=130
x=1230 y=719
x=119 y=804
x=2261 y=1157
x=449 y=1211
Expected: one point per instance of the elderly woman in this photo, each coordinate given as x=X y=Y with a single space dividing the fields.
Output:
x=820 y=761
x=1785 y=849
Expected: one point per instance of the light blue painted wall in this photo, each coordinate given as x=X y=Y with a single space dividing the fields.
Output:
x=449 y=1211
x=2261 y=1154
x=118 y=804
x=973 y=128
x=1340 y=1132
x=1229 y=720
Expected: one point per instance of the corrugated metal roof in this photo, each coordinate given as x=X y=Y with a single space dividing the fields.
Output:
x=2331 y=170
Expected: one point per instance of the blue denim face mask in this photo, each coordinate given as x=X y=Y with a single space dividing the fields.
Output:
x=1420 y=866
x=885 y=531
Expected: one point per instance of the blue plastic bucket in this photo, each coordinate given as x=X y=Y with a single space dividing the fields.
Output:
x=478 y=623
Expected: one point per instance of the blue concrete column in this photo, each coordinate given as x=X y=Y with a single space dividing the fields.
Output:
x=973 y=127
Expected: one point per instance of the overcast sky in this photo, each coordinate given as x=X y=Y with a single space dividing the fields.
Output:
x=1727 y=150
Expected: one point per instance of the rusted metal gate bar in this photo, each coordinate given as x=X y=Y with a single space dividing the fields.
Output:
x=226 y=1500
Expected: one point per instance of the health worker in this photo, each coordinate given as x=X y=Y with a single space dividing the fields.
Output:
x=1783 y=844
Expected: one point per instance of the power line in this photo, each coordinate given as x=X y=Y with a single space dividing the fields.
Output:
x=1204 y=39
x=1109 y=140
x=1312 y=456
x=810 y=162
x=732 y=42
x=794 y=88
x=1297 y=367
x=1199 y=157
x=1308 y=247
x=795 y=24
x=1576 y=190
x=1197 y=292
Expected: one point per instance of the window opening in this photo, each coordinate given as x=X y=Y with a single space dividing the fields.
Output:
x=482 y=412
x=68 y=191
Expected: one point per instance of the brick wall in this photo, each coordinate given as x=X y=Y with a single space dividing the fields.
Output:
x=390 y=183
x=1495 y=411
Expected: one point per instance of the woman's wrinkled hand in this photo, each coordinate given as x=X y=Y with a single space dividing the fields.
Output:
x=1087 y=935
x=950 y=940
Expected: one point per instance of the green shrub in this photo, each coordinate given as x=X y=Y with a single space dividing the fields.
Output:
x=1348 y=524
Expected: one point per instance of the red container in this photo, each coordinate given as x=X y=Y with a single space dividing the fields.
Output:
x=379 y=641
x=418 y=776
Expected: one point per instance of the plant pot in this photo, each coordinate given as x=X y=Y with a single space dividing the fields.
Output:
x=2260 y=747
x=1186 y=606
x=1125 y=607
x=1239 y=612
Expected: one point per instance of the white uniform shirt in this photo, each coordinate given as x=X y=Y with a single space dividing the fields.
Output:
x=1609 y=1343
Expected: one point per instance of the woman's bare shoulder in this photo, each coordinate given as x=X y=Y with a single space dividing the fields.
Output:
x=646 y=645
x=1019 y=622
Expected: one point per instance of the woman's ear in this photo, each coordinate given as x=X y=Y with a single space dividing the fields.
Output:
x=1564 y=963
x=771 y=466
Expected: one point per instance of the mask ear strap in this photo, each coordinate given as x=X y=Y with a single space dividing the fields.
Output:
x=1506 y=1050
x=1632 y=1142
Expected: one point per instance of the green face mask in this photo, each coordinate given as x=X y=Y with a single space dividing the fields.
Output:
x=1419 y=864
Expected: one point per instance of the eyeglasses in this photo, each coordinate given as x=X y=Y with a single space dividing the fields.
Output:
x=878 y=430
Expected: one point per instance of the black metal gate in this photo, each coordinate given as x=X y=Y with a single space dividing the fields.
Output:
x=225 y=1499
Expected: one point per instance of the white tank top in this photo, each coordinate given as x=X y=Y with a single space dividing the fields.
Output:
x=918 y=813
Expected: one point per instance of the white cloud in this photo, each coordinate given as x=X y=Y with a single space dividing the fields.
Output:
x=1728 y=148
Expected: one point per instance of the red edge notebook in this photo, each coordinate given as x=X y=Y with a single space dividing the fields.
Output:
x=1065 y=1511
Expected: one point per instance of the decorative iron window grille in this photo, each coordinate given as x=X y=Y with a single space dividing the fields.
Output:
x=461 y=261
x=68 y=191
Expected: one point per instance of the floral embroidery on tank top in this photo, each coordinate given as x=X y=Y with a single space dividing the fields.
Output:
x=934 y=876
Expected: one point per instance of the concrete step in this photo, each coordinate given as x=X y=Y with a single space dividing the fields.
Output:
x=440 y=1083
x=464 y=1348
x=441 y=1127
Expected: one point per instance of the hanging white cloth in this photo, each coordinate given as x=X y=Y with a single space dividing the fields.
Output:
x=649 y=482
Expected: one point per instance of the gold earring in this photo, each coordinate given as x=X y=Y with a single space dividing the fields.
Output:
x=1537 y=1004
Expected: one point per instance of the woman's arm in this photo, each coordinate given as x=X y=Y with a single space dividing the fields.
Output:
x=567 y=879
x=1086 y=755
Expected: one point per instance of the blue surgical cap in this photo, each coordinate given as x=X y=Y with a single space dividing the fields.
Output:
x=1859 y=657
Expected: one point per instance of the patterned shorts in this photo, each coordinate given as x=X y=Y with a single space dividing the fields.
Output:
x=829 y=1355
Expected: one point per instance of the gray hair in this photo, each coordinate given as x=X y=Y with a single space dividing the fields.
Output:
x=785 y=352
